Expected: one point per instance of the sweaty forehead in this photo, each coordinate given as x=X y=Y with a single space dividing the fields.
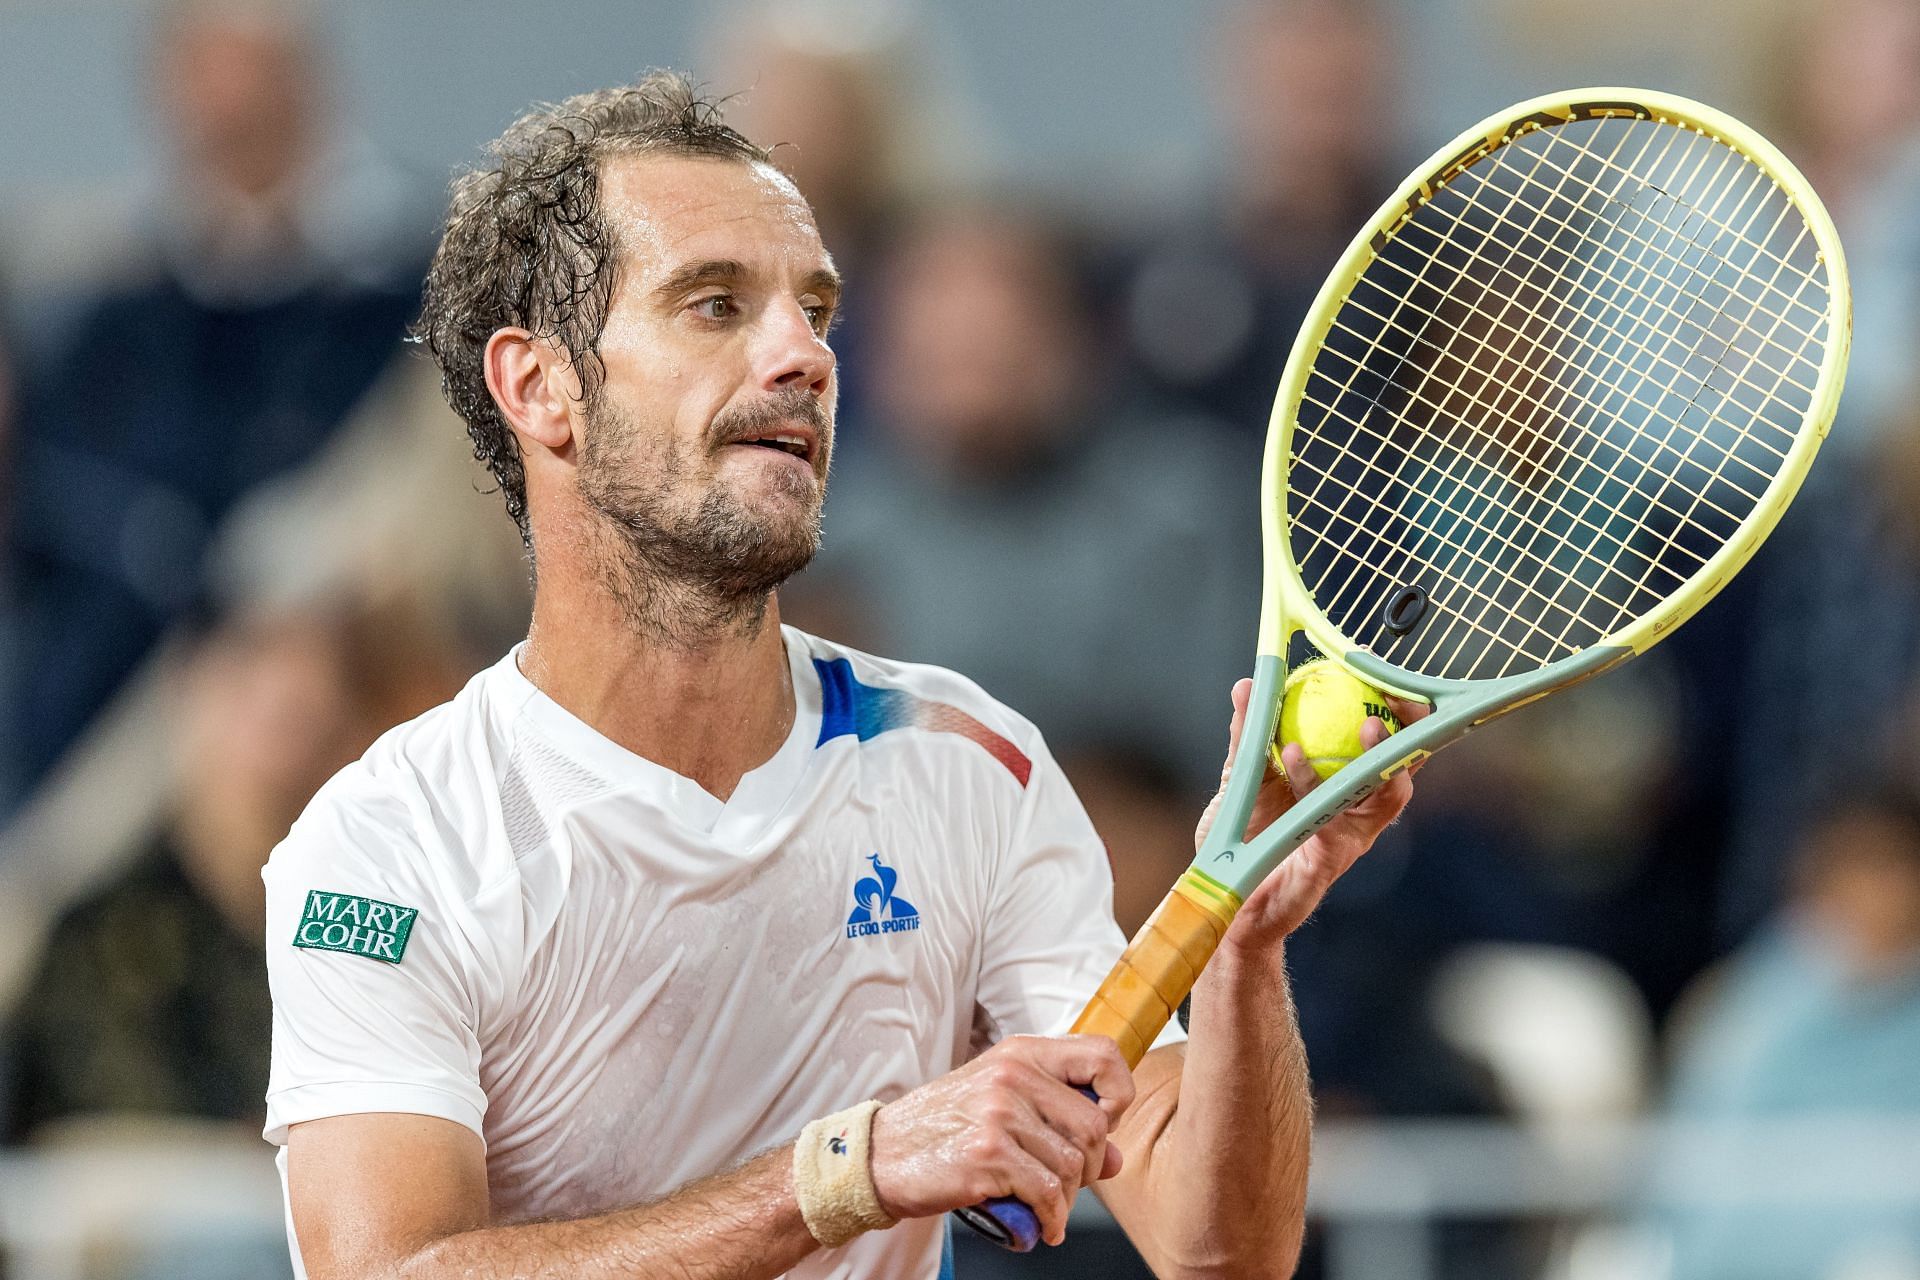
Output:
x=668 y=209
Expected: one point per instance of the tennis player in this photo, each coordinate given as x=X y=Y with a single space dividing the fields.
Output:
x=682 y=943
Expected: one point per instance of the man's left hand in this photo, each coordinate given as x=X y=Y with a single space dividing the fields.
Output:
x=1289 y=895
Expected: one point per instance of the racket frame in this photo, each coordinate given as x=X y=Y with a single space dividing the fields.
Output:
x=1228 y=867
x=1165 y=958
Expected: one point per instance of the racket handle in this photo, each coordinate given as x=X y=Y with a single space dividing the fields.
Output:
x=1160 y=966
x=1151 y=978
x=1006 y=1220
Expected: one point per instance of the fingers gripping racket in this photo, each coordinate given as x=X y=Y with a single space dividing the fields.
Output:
x=1549 y=402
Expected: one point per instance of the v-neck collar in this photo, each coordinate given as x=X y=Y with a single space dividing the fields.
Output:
x=734 y=822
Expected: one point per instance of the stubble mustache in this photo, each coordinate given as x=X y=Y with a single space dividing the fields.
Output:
x=788 y=405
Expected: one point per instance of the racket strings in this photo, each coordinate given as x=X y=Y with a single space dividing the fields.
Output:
x=1668 y=389
x=1357 y=524
x=1658 y=356
x=1719 y=475
x=1801 y=275
x=1537 y=404
x=1750 y=430
x=1475 y=487
x=1427 y=322
x=1758 y=183
x=1522 y=410
x=1655 y=356
x=1499 y=321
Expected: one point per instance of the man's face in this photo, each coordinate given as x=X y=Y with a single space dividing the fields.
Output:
x=708 y=444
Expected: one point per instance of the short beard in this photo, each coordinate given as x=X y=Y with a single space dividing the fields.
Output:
x=678 y=575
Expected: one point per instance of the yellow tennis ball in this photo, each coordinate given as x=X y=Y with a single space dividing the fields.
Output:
x=1324 y=709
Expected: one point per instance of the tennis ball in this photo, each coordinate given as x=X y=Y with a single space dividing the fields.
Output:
x=1324 y=708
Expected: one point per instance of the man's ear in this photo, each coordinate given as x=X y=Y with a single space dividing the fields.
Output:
x=533 y=384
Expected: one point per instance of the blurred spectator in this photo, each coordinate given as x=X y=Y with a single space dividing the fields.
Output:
x=830 y=87
x=1364 y=970
x=1841 y=575
x=1211 y=310
x=1817 y=1018
x=268 y=292
x=1008 y=517
x=1847 y=96
x=151 y=994
x=395 y=509
x=266 y=197
x=842 y=91
x=1844 y=575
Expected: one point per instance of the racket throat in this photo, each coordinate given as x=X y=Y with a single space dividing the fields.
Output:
x=1227 y=834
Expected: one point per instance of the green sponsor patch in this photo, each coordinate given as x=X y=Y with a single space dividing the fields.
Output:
x=359 y=926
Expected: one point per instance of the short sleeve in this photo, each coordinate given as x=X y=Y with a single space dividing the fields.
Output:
x=1051 y=937
x=375 y=1002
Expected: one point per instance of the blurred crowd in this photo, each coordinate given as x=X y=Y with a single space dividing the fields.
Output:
x=239 y=537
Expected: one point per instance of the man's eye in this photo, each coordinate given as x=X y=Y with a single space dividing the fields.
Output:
x=718 y=307
x=820 y=316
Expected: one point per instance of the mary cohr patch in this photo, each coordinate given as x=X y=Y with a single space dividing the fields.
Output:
x=357 y=926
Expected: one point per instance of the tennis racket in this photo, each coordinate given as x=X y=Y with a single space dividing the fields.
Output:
x=1549 y=402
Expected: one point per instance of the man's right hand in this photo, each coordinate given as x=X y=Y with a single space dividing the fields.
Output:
x=1012 y=1122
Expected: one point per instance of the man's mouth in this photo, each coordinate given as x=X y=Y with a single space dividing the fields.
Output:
x=794 y=441
x=798 y=446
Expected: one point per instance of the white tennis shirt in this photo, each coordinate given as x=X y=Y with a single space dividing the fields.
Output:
x=622 y=984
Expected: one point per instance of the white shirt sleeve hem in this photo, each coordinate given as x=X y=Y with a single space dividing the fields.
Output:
x=297 y=1105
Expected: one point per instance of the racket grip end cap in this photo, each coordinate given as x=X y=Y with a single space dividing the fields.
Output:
x=1005 y=1221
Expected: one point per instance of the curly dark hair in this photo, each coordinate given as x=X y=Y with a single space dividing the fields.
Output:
x=526 y=244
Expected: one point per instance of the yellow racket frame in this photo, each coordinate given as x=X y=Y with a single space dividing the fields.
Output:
x=1165 y=958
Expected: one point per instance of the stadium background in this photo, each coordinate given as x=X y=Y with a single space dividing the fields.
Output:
x=1634 y=992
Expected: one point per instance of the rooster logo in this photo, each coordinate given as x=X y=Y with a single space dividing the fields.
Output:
x=874 y=898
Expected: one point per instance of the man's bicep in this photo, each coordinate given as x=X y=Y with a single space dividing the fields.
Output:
x=369 y=1191
x=378 y=983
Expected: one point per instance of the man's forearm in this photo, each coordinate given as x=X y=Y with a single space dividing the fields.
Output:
x=1220 y=1137
x=1228 y=1175
x=744 y=1224
x=398 y=1196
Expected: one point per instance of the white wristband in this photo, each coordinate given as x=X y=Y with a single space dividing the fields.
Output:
x=833 y=1176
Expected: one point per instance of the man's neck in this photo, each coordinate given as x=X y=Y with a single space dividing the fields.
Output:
x=709 y=700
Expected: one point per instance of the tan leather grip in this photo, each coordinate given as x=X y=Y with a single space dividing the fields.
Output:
x=1158 y=968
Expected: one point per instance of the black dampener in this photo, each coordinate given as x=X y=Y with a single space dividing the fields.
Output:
x=1403 y=610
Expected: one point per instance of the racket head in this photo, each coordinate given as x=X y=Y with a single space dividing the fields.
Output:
x=1561 y=386
x=1736 y=192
